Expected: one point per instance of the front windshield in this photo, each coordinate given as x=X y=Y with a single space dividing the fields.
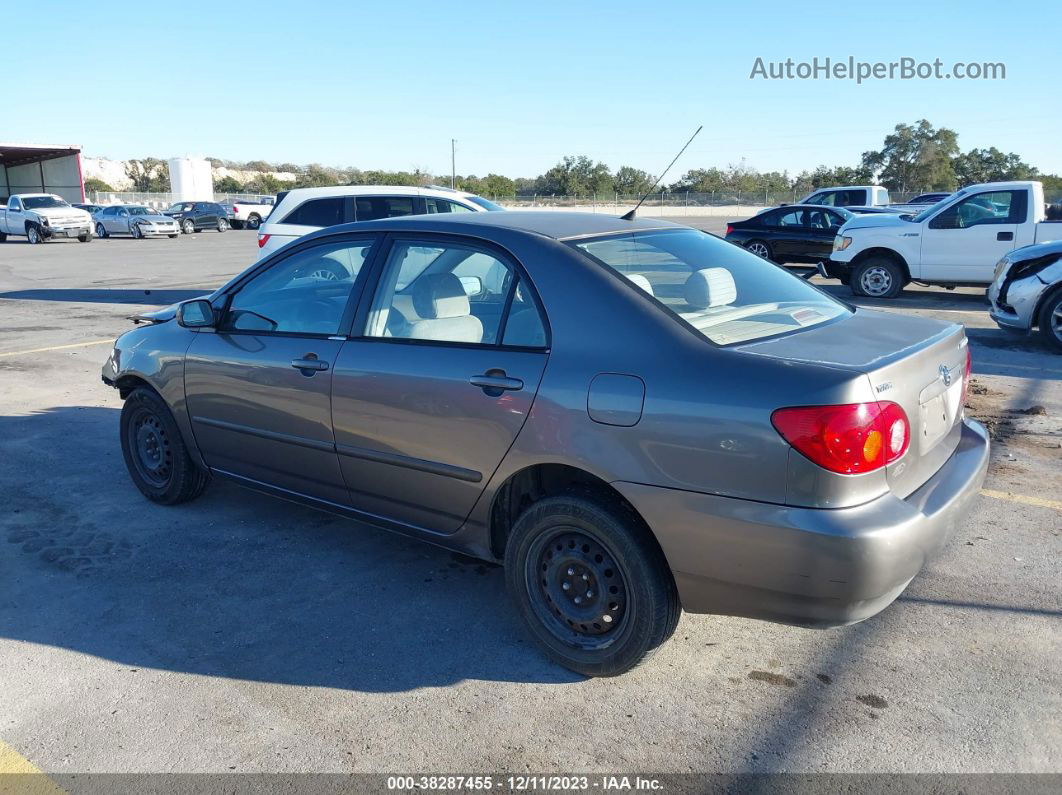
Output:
x=139 y=211
x=486 y=204
x=924 y=214
x=180 y=207
x=720 y=290
x=43 y=202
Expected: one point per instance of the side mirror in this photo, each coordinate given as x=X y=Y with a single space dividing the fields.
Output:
x=473 y=285
x=196 y=314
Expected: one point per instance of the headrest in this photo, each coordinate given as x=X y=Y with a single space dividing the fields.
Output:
x=440 y=295
x=710 y=287
x=642 y=282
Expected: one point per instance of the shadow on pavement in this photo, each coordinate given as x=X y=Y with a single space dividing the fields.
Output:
x=101 y=296
x=235 y=584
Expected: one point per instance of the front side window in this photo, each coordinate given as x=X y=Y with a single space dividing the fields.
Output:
x=305 y=293
x=718 y=289
x=317 y=212
x=371 y=208
x=445 y=206
x=452 y=292
x=997 y=207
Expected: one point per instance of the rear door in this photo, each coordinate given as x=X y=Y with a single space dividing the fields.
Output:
x=966 y=240
x=259 y=388
x=431 y=395
x=788 y=233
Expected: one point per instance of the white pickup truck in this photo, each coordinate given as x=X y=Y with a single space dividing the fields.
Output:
x=42 y=216
x=250 y=213
x=849 y=196
x=955 y=242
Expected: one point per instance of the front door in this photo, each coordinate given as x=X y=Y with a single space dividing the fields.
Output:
x=428 y=401
x=259 y=388
x=965 y=241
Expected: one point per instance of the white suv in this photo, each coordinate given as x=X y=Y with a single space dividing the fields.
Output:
x=300 y=211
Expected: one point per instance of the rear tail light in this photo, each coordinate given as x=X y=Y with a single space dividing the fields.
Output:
x=849 y=439
x=262 y=240
x=729 y=228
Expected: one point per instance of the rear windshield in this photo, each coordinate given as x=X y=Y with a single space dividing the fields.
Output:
x=486 y=204
x=720 y=290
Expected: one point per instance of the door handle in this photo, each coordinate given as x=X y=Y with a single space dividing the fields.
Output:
x=1005 y=236
x=310 y=362
x=496 y=382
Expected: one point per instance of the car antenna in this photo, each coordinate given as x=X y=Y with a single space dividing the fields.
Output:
x=630 y=216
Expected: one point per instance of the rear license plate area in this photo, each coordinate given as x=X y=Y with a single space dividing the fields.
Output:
x=938 y=415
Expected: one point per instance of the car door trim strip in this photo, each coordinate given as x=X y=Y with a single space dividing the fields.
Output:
x=419 y=464
x=274 y=436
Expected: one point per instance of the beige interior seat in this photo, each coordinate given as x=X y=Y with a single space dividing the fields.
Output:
x=443 y=310
x=642 y=282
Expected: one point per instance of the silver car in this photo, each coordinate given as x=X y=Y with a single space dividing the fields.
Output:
x=635 y=417
x=1026 y=292
x=135 y=220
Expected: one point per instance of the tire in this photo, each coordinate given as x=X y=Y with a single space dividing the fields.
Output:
x=3 y=237
x=236 y=224
x=254 y=221
x=85 y=238
x=136 y=232
x=187 y=226
x=33 y=234
x=1050 y=320
x=223 y=225
x=877 y=277
x=101 y=231
x=760 y=248
x=583 y=544
x=173 y=237
x=154 y=452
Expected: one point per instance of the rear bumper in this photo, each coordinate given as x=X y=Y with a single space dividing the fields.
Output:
x=806 y=566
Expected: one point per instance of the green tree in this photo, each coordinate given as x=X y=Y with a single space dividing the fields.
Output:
x=630 y=180
x=257 y=165
x=700 y=180
x=825 y=176
x=576 y=176
x=97 y=185
x=991 y=165
x=228 y=184
x=915 y=157
x=149 y=175
x=266 y=184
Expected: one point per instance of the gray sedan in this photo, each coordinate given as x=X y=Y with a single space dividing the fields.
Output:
x=135 y=220
x=635 y=417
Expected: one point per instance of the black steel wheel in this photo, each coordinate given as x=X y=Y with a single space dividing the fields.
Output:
x=591 y=583
x=155 y=453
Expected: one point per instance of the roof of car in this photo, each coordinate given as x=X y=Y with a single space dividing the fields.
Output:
x=557 y=225
x=360 y=190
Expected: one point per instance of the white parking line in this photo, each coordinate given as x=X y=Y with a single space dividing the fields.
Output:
x=57 y=348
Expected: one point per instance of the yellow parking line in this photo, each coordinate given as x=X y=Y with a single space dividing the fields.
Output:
x=30 y=778
x=1039 y=502
x=57 y=348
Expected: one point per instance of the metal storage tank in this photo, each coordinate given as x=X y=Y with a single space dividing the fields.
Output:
x=190 y=179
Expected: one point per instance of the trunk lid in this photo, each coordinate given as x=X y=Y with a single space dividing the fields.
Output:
x=915 y=362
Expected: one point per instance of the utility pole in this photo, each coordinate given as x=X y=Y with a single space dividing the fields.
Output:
x=453 y=163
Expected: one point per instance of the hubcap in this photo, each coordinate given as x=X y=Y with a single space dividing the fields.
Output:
x=152 y=452
x=187 y=226
x=576 y=588
x=876 y=281
x=33 y=237
x=325 y=274
x=1056 y=322
x=759 y=250
x=100 y=232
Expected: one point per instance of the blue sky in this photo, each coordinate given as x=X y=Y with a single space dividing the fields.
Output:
x=521 y=84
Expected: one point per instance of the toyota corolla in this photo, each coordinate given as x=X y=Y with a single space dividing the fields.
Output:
x=635 y=417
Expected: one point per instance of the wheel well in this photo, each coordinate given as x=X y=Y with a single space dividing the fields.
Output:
x=888 y=253
x=1047 y=296
x=535 y=483
x=127 y=383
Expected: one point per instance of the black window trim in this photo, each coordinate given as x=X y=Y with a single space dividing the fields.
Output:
x=419 y=204
x=356 y=331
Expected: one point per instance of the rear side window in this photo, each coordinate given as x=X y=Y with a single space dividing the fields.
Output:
x=790 y=218
x=370 y=208
x=883 y=196
x=317 y=212
x=445 y=206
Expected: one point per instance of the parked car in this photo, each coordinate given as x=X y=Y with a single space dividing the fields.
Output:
x=42 y=216
x=250 y=213
x=135 y=220
x=796 y=233
x=91 y=209
x=957 y=241
x=197 y=216
x=920 y=202
x=303 y=210
x=711 y=433
x=1027 y=292
x=849 y=196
